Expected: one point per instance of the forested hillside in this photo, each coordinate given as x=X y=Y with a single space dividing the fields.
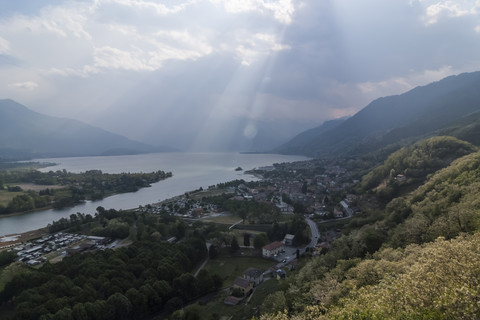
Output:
x=418 y=258
x=414 y=164
x=396 y=120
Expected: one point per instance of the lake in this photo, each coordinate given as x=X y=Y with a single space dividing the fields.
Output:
x=190 y=171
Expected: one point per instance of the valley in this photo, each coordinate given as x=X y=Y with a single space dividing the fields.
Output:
x=383 y=209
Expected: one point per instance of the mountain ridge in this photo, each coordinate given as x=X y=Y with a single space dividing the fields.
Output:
x=386 y=120
x=31 y=134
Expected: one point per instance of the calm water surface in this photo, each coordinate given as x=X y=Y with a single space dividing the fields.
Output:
x=190 y=171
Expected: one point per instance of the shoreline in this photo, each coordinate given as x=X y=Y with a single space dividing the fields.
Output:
x=11 y=240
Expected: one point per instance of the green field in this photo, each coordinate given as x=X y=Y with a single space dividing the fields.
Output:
x=7 y=196
x=244 y=310
x=228 y=267
x=228 y=219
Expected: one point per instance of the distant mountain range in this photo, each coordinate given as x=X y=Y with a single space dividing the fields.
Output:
x=26 y=134
x=449 y=106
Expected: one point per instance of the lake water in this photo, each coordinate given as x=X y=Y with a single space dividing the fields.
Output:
x=190 y=171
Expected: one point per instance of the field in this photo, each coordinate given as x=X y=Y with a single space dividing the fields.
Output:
x=246 y=309
x=228 y=268
x=227 y=219
x=7 y=196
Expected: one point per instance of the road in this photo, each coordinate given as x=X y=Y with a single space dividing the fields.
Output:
x=315 y=234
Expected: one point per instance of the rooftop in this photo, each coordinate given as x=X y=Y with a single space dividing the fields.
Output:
x=242 y=283
x=253 y=272
x=273 y=245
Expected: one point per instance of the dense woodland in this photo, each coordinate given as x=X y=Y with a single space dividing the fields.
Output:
x=74 y=187
x=148 y=277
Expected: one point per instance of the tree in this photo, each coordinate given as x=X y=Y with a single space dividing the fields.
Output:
x=7 y=257
x=205 y=282
x=120 y=304
x=234 y=245
x=274 y=302
x=79 y=312
x=260 y=240
x=246 y=239
x=212 y=251
x=186 y=286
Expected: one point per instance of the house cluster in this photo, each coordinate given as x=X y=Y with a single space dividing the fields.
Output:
x=181 y=206
x=243 y=286
x=33 y=253
x=315 y=184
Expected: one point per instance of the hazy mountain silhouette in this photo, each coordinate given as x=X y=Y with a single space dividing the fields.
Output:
x=25 y=133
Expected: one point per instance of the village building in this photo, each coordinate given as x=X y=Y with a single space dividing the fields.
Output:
x=253 y=275
x=245 y=286
x=337 y=213
x=288 y=240
x=272 y=249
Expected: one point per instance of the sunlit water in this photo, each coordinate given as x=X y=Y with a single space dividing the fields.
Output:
x=190 y=171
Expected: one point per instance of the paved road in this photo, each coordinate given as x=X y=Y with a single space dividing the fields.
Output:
x=315 y=234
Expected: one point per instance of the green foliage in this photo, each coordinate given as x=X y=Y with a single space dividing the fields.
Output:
x=255 y=212
x=297 y=226
x=446 y=205
x=418 y=259
x=7 y=257
x=133 y=282
x=77 y=187
x=416 y=162
x=440 y=281
x=260 y=240
x=274 y=302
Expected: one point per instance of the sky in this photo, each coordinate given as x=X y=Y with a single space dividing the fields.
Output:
x=157 y=71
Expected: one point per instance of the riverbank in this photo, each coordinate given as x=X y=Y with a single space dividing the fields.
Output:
x=11 y=240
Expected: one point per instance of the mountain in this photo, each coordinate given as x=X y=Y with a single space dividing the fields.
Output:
x=300 y=142
x=25 y=133
x=466 y=128
x=415 y=114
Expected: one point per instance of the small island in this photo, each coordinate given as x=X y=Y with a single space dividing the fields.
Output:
x=238 y=169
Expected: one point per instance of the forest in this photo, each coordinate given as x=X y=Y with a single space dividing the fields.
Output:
x=148 y=277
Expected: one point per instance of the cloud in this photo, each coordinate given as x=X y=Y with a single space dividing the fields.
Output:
x=28 y=85
x=282 y=10
x=437 y=10
x=158 y=8
x=4 y=46
x=251 y=48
